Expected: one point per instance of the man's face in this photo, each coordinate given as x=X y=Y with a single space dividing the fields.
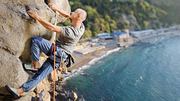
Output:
x=74 y=15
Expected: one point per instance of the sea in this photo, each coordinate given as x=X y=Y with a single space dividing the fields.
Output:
x=146 y=71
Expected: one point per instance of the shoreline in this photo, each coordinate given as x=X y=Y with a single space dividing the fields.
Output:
x=87 y=61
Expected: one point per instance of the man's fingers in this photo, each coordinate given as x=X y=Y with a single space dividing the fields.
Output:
x=27 y=8
x=50 y=4
x=30 y=12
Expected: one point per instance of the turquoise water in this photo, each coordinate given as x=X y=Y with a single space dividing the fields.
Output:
x=143 y=72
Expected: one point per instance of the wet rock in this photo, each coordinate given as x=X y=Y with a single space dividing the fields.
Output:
x=67 y=95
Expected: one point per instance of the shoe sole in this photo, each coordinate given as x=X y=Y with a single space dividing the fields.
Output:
x=29 y=69
x=12 y=92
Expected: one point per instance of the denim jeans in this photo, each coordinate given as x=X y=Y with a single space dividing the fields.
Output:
x=42 y=45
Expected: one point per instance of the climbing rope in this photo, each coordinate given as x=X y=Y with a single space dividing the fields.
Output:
x=54 y=67
x=52 y=40
x=54 y=73
x=54 y=77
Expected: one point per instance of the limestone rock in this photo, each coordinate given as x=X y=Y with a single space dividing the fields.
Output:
x=12 y=72
x=16 y=30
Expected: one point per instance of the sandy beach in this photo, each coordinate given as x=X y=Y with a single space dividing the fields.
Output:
x=85 y=61
x=81 y=60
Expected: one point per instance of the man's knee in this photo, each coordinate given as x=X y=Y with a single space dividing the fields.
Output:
x=36 y=39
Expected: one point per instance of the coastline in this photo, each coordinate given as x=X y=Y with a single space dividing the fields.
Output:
x=85 y=61
x=95 y=84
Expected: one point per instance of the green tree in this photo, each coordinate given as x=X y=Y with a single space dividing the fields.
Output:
x=104 y=15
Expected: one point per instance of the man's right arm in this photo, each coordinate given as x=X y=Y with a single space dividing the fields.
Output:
x=48 y=25
x=62 y=12
x=44 y=23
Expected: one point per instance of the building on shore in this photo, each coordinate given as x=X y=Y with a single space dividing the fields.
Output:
x=105 y=36
x=123 y=39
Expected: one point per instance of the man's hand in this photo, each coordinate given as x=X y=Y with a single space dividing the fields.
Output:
x=53 y=6
x=33 y=14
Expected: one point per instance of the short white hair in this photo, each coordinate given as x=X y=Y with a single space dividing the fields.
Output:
x=82 y=13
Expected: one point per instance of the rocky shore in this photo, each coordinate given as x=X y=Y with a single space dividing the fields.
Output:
x=84 y=61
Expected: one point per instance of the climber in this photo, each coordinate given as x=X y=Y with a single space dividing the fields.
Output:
x=67 y=37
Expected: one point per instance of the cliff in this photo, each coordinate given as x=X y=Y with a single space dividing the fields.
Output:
x=16 y=30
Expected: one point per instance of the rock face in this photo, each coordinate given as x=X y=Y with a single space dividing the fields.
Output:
x=16 y=30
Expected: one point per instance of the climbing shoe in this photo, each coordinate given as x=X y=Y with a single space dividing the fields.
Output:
x=29 y=68
x=13 y=91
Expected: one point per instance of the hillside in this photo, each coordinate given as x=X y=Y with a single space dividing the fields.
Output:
x=172 y=7
x=110 y=15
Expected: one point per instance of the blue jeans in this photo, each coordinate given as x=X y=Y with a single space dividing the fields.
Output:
x=42 y=45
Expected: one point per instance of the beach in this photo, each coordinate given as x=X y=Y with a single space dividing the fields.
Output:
x=82 y=60
x=90 y=58
x=85 y=61
x=132 y=73
x=137 y=73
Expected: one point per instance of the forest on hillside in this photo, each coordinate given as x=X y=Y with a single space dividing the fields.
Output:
x=170 y=6
x=111 y=15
